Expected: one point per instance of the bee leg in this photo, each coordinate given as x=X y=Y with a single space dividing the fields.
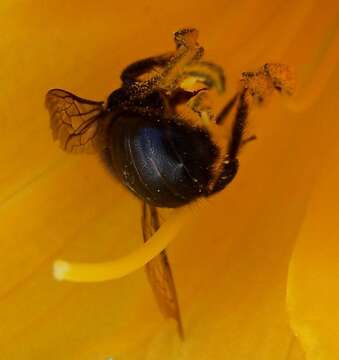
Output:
x=185 y=68
x=159 y=272
x=230 y=163
x=188 y=51
x=181 y=69
x=247 y=140
x=131 y=73
x=256 y=87
x=221 y=117
x=239 y=126
x=200 y=105
x=170 y=66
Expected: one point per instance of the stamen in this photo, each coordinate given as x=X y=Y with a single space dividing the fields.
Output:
x=96 y=272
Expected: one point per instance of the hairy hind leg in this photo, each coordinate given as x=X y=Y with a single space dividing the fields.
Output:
x=152 y=64
x=256 y=87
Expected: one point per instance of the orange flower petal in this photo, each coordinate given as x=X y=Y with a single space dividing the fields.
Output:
x=313 y=286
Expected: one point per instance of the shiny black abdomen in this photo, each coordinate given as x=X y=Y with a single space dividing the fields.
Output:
x=163 y=161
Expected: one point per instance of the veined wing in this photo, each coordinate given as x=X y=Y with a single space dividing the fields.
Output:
x=159 y=271
x=74 y=121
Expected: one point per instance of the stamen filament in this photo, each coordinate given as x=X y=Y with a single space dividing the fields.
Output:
x=96 y=272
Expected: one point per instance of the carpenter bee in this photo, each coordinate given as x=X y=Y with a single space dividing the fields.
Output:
x=154 y=135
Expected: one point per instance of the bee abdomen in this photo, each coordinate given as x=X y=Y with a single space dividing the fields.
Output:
x=162 y=161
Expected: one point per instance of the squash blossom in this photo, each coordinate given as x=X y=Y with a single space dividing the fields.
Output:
x=255 y=266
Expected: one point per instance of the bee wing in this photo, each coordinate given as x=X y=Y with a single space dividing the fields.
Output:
x=159 y=271
x=73 y=120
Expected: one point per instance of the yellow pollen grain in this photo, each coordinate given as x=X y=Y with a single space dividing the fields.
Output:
x=189 y=83
x=97 y=272
x=205 y=118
